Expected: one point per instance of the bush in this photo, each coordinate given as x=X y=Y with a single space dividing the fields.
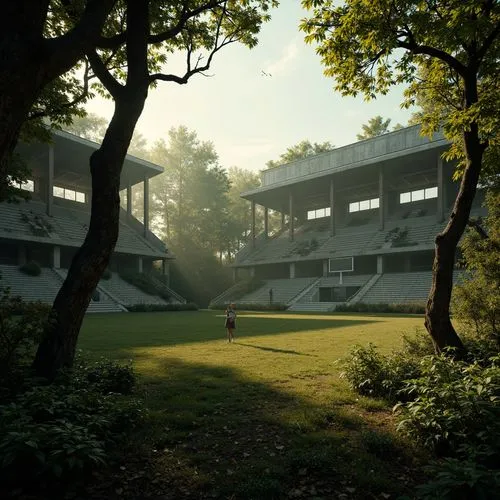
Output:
x=454 y=407
x=56 y=434
x=31 y=268
x=191 y=306
x=410 y=308
x=369 y=373
x=107 y=274
x=275 y=306
x=21 y=328
x=459 y=479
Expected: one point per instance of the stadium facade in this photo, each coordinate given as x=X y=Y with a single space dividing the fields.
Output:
x=50 y=228
x=358 y=224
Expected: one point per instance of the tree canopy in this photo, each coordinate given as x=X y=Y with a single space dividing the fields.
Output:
x=376 y=126
x=301 y=150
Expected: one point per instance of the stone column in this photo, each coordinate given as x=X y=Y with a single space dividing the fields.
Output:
x=235 y=274
x=292 y=270
x=332 y=208
x=380 y=264
x=440 y=188
x=140 y=266
x=146 y=207
x=253 y=224
x=325 y=268
x=282 y=220
x=129 y=199
x=290 y=210
x=381 y=197
x=56 y=257
x=50 y=181
x=252 y=272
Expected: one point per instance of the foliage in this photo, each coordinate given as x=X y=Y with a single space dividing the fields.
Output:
x=454 y=405
x=242 y=306
x=57 y=434
x=190 y=306
x=410 y=308
x=299 y=151
x=21 y=327
x=306 y=247
x=371 y=374
x=38 y=225
x=376 y=126
x=454 y=478
x=31 y=268
x=476 y=301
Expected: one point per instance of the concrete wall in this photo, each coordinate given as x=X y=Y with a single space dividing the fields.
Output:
x=399 y=143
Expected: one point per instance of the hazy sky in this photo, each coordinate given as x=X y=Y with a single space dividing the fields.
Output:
x=252 y=118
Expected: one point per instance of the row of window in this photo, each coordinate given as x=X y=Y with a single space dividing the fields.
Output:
x=359 y=206
x=69 y=194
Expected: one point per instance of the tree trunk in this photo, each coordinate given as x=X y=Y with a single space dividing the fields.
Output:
x=437 y=315
x=57 y=349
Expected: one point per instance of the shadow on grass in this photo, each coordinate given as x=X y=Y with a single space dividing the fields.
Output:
x=213 y=433
x=167 y=329
x=276 y=350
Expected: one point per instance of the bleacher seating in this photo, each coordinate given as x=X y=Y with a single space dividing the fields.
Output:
x=284 y=290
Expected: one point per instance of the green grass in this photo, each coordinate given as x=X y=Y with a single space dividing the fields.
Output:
x=265 y=417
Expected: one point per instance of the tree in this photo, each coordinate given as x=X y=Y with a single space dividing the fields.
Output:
x=370 y=46
x=376 y=126
x=131 y=58
x=89 y=126
x=301 y=150
x=39 y=42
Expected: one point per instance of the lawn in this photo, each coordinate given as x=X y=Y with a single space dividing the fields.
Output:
x=265 y=417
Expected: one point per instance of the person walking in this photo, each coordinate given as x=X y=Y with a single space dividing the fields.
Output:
x=230 y=323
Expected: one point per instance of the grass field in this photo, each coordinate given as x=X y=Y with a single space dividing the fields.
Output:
x=265 y=417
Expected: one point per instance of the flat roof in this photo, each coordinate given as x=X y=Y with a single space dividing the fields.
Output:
x=377 y=150
x=71 y=161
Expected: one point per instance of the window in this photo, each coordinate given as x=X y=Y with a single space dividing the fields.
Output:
x=319 y=213
x=28 y=185
x=358 y=206
x=69 y=194
x=418 y=195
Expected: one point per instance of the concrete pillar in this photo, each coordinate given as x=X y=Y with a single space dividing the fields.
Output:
x=332 y=208
x=140 y=265
x=165 y=269
x=146 y=207
x=50 y=181
x=266 y=222
x=290 y=211
x=282 y=220
x=440 y=187
x=381 y=197
x=292 y=270
x=56 y=257
x=380 y=264
x=129 y=199
x=253 y=224
x=21 y=255
x=325 y=268
x=407 y=264
x=235 y=274
x=252 y=272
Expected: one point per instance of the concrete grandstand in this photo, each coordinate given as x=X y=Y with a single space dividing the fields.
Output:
x=50 y=227
x=358 y=224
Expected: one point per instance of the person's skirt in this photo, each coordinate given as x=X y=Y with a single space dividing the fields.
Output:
x=230 y=324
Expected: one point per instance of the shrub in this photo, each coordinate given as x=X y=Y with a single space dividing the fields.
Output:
x=275 y=306
x=369 y=373
x=56 y=434
x=21 y=327
x=107 y=274
x=31 y=268
x=459 y=479
x=454 y=407
x=191 y=306
x=409 y=308
x=108 y=376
